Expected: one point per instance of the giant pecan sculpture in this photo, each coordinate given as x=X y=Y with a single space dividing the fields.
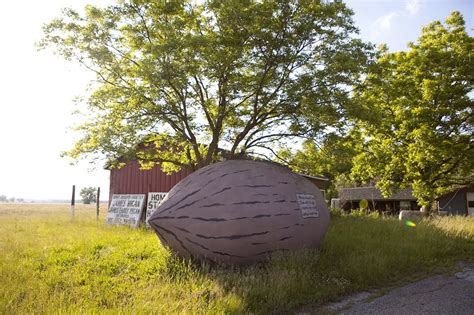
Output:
x=240 y=211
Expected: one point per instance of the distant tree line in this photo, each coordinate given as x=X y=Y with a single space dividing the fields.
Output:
x=4 y=198
x=88 y=195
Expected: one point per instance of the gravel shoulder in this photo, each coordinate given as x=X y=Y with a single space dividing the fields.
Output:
x=440 y=294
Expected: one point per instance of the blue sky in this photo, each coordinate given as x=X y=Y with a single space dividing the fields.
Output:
x=397 y=22
x=38 y=88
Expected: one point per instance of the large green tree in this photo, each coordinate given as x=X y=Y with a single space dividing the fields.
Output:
x=418 y=127
x=330 y=157
x=193 y=77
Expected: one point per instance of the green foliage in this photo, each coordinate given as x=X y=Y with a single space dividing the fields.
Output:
x=88 y=195
x=239 y=75
x=49 y=269
x=336 y=212
x=332 y=159
x=373 y=215
x=417 y=120
x=361 y=212
x=363 y=204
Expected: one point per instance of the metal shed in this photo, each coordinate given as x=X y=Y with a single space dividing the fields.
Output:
x=458 y=202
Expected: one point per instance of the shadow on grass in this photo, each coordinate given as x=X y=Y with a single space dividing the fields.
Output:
x=357 y=254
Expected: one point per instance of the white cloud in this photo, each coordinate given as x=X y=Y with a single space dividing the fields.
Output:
x=413 y=6
x=385 y=21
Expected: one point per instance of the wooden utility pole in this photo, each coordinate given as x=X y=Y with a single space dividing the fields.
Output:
x=73 y=201
x=97 y=203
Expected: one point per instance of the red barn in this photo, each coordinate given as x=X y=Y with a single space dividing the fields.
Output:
x=130 y=179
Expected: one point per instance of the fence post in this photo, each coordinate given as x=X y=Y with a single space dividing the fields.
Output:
x=97 y=203
x=73 y=201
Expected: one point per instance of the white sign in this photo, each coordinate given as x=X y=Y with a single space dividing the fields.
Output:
x=126 y=210
x=308 y=206
x=154 y=201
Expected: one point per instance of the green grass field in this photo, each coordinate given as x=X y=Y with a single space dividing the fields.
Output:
x=50 y=265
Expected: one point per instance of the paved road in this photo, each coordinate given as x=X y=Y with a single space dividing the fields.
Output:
x=441 y=294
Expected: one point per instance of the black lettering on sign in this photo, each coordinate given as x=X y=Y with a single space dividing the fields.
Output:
x=154 y=201
x=126 y=210
x=308 y=206
x=133 y=203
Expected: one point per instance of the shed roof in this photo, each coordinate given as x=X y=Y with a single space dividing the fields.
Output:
x=373 y=193
x=322 y=178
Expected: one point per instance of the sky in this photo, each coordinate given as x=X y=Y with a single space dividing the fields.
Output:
x=38 y=88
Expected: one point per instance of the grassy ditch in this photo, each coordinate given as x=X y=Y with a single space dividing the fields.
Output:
x=50 y=265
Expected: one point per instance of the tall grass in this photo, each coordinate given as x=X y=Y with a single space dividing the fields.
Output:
x=50 y=265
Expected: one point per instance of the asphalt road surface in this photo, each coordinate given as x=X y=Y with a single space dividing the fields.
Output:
x=440 y=294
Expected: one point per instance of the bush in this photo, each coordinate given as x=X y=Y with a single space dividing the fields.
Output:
x=358 y=212
x=88 y=195
x=336 y=212
x=374 y=215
